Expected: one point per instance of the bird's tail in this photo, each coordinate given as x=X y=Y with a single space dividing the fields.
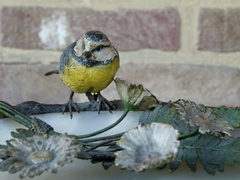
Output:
x=52 y=72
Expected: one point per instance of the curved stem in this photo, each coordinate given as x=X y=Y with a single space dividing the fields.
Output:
x=101 y=144
x=94 y=144
x=104 y=129
x=10 y=112
x=102 y=138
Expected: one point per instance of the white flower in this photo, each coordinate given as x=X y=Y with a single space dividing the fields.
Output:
x=135 y=97
x=147 y=146
x=34 y=155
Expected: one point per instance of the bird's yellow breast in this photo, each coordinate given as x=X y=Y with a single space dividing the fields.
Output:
x=82 y=79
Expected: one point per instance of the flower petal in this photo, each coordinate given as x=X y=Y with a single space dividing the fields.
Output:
x=39 y=153
x=147 y=146
x=135 y=97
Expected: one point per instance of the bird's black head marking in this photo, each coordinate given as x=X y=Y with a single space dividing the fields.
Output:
x=96 y=36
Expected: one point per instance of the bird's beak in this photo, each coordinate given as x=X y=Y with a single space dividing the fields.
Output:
x=87 y=54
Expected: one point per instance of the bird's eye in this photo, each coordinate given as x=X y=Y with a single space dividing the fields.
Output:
x=98 y=48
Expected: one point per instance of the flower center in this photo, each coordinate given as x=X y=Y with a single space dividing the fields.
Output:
x=41 y=156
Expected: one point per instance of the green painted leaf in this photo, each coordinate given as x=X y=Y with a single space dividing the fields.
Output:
x=165 y=113
x=22 y=133
x=212 y=151
x=232 y=115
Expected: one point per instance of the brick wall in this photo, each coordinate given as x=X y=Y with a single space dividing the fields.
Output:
x=177 y=49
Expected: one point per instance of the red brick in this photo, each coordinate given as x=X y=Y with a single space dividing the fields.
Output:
x=219 y=30
x=127 y=29
x=132 y=29
x=20 y=27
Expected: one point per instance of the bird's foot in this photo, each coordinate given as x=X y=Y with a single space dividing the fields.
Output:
x=70 y=104
x=107 y=104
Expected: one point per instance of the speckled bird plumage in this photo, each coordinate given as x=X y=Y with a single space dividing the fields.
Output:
x=89 y=64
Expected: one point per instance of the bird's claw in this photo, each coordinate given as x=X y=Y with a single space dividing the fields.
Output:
x=101 y=101
x=70 y=104
x=107 y=104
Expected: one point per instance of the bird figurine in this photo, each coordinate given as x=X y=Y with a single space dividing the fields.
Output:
x=88 y=66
